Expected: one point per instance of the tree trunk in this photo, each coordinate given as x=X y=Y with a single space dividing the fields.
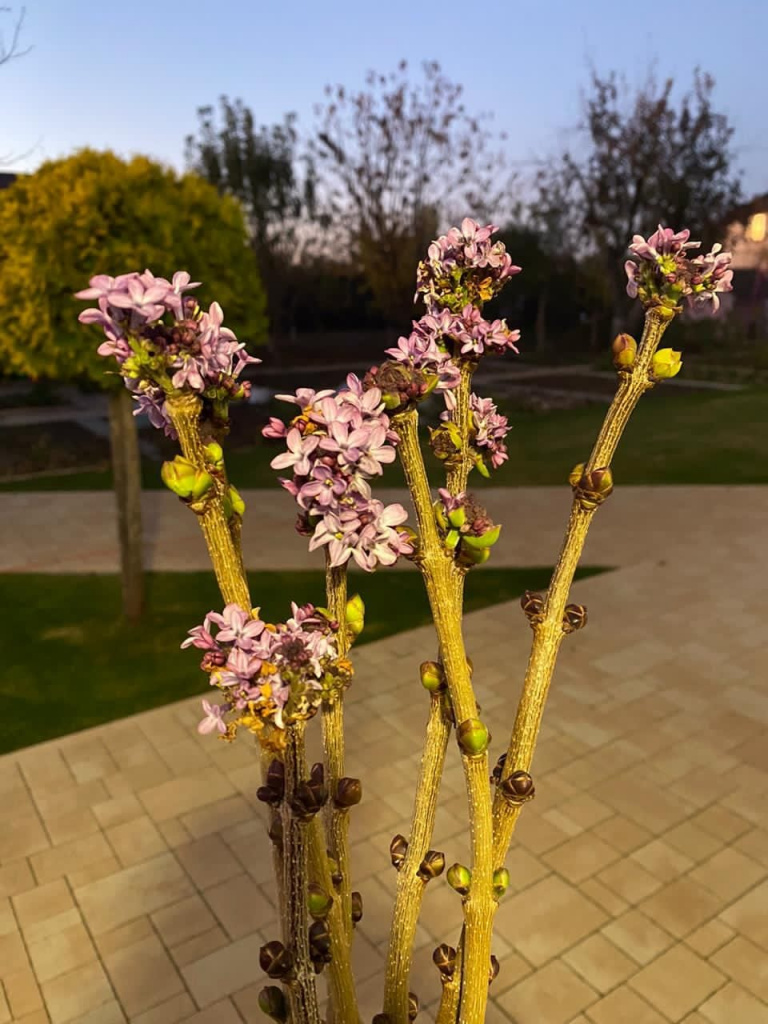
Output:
x=541 y=320
x=126 y=472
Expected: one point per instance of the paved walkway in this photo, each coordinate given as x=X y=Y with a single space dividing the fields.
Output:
x=134 y=869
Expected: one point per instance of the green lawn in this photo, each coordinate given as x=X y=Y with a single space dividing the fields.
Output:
x=689 y=438
x=70 y=662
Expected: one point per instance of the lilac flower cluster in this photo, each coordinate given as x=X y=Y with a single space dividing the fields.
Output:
x=269 y=674
x=661 y=272
x=464 y=266
x=487 y=431
x=338 y=442
x=466 y=527
x=189 y=350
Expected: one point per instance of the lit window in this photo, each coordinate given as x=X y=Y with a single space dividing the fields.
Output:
x=757 y=227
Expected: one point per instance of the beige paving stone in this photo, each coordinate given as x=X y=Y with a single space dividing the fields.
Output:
x=728 y=873
x=537 y=834
x=628 y=880
x=173 y=832
x=70 y=825
x=143 y=975
x=126 y=935
x=183 y=920
x=117 y=811
x=638 y=936
x=135 y=841
x=547 y=918
x=677 y=982
x=180 y=795
x=224 y=972
x=13 y=954
x=585 y=810
x=23 y=992
x=746 y=964
x=72 y=856
x=581 y=857
x=240 y=906
x=64 y=951
x=524 y=869
x=693 y=841
x=138 y=890
x=5 y=1011
x=72 y=995
x=21 y=836
x=16 y=877
x=622 y=833
x=603 y=897
x=755 y=845
x=200 y=946
x=208 y=861
x=661 y=860
x=710 y=937
x=600 y=963
x=554 y=994
x=217 y=816
x=46 y=904
x=93 y=872
x=623 y=1005
x=733 y=1004
x=223 y=1012
x=107 y=1013
x=177 y=1008
x=681 y=906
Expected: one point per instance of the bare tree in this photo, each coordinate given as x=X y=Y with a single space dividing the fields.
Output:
x=646 y=160
x=395 y=161
x=10 y=51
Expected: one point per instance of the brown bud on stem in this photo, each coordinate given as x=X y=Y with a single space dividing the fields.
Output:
x=495 y=967
x=320 y=943
x=273 y=790
x=348 y=793
x=592 y=488
x=273 y=1003
x=397 y=850
x=276 y=961
x=499 y=768
x=357 y=907
x=575 y=617
x=444 y=958
x=432 y=865
x=413 y=1006
x=518 y=788
x=532 y=604
x=311 y=795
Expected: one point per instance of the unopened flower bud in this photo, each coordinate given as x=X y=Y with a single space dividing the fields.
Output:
x=398 y=848
x=237 y=503
x=469 y=556
x=575 y=617
x=444 y=958
x=666 y=363
x=485 y=540
x=500 y=881
x=498 y=768
x=319 y=901
x=215 y=454
x=457 y=517
x=276 y=961
x=381 y=1018
x=432 y=866
x=185 y=479
x=333 y=866
x=473 y=737
x=355 y=615
x=357 y=907
x=518 y=787
x=591 y=488
x=432 y=676
x=413 y=1006
x=532 y=604
x=275 y=831
x=495 y=968
x=273 y=1003
x=348 y=793
x=459 y=878
x=624 y=350
x=320 y=940
x=311 y=795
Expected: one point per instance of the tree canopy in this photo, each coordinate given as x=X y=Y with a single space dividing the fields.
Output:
x=95 y=213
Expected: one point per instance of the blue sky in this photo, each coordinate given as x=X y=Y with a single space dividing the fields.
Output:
x=130 y=75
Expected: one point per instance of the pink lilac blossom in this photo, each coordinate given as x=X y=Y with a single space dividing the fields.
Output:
x=193 y=352
x=662 y=273
x=490 y=429
x=337 y=443
x=258 y=667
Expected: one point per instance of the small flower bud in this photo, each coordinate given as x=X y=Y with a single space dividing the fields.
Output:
x=273 y=791
x=666 y=363
x=215 y=454
x=532 y=604
x=469 y=556
x=276 y=961
x=273 y=1003
x=518 y=788
x=575 y=617
x=413 y=1006
x=459 y=878
x=444 y=958
x=355 y=615
x=333 y=866
x=183 y=478
x=237 y=503
x=591 y=488
x=357 y=907
x=485 y=540
x=319 y=901
x=495 y=968
x=348 y=793
x=473 y=737
x=432 y=866
x=500 y=882
x=275 y=832
x=381 y=1018
x=498 y=768
x=311 y=795
x=398 y=848
x=624 y=350
x=432 y=676
x=320 y=940
x=457 y=517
